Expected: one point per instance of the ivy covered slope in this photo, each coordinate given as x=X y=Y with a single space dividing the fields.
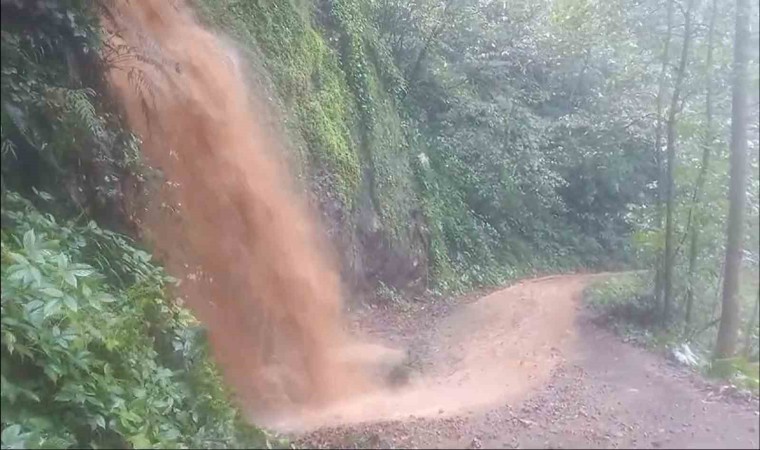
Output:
x=94 y=351
x=452 y=144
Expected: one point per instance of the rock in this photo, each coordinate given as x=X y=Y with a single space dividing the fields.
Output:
x=526 y=422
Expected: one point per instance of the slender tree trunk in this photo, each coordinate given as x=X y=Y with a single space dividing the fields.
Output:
x=579 y=84
x=725 y=346
x=434 y=34
x=716 y=300
x=695 y=213
x=658 y=277
x=750 y=326
x=671 y=162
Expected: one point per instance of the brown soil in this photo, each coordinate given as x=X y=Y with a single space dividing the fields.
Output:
x=526 y=367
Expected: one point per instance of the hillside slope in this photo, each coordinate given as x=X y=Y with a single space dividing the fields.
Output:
x=429 y=179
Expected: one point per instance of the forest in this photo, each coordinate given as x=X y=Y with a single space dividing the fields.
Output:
x=447 y=146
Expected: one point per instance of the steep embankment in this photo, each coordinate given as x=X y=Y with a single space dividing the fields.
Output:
x=421 y=183
x=345 y=132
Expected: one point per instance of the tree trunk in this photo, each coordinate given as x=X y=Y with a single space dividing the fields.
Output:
x=671 y=162
x=695 y=213
x=434 y=34
x=658 y=277
x=725 y=346
x=750 y=326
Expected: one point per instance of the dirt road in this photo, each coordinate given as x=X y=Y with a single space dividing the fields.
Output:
x=524 y=367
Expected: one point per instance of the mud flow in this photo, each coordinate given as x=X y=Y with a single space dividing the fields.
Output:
x=496 y=350
x=228 y=220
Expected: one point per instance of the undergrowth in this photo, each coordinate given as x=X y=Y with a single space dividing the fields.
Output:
x=625 y=304
x=94 y=351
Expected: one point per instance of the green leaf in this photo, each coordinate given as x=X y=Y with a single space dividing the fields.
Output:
x=33 y=305
x=71 y=303
x=52 y=308
x=18 y=275
x=83 y=272
x=104 y=298
x=51 y=373
x=57 y=442
x=140 y=441
x=52 y=292
x=36 y=275
x=12 y=437
x=10 y=321
x=10 y=340
x=18 y=258
x=29 y=240
x=22 y=350
x=70 y=279
x=30 y=395
x=144 y=256
x=62 y=261
x=43 y=195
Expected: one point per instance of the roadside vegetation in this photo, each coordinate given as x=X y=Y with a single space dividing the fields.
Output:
x=624 y=303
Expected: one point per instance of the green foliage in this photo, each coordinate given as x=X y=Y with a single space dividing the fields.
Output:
x=57 y=128
x=309 y=81
x=624 y=300
x=94 y=352
x=375 y=88
x=332 y=75
x=739 y=370
x=624 y=303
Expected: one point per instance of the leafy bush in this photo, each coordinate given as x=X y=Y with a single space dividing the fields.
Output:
x=624 y=300
x=58 y=131
x=739 y=370
x=93 y=351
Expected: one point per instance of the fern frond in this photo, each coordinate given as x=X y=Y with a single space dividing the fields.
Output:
x=77 y=102
x=8 y=147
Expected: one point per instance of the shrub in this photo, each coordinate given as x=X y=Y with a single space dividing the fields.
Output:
x=624 y=299
x=94 y=354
